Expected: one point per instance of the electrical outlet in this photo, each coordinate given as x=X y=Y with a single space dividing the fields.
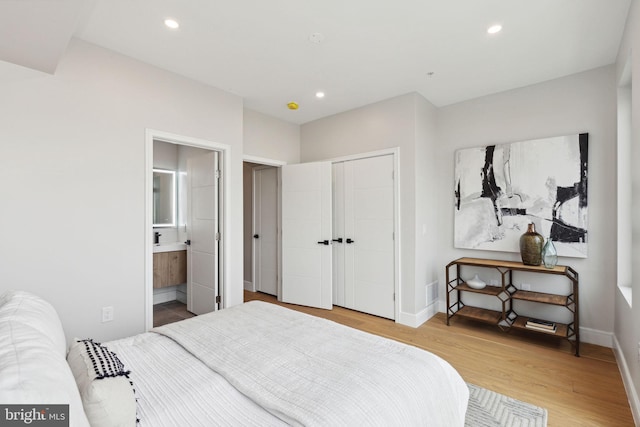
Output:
x=525 y=287
x=107 y=314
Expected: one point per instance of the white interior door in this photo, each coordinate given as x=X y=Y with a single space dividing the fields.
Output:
x=338 y=234
x=265 y=226
x=306 y=234
x=203 y=233
x=369 y=253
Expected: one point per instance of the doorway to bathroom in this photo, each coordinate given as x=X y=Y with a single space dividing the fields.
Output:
x=184 y=227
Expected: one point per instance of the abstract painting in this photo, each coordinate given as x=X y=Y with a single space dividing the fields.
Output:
x=500 y=189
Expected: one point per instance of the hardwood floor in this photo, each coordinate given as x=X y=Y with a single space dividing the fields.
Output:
x=576 y=391
x=169 y=312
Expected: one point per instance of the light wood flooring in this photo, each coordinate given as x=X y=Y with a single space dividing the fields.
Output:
x=576 y=391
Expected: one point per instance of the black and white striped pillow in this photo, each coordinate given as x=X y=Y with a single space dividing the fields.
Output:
x=107 y=392
x=105 y=362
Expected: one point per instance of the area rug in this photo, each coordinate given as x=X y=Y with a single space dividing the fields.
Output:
x=490 y=409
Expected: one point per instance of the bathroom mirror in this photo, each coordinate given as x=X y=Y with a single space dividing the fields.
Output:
x=164 y=198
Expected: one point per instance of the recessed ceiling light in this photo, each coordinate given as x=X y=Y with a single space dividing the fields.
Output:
x=320 y=94
x=494 y=29
x=171 y=23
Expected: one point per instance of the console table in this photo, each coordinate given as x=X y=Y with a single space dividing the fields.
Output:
x=508 y=296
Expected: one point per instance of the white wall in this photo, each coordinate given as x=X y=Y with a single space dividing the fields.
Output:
x=386 y=124
x=579 y=103
x=426 y=191
x=627 y=318
x=270 y=138
x=72 y=180
x=165 y=155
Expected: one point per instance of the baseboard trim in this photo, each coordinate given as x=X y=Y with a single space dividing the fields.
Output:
x=632 y=395
x=594 y=336
x=164 y=296
x=181 y=296
x=248 y=286
x=415 y=320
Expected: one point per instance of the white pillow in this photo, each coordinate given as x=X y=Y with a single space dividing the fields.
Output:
x=106 y=391
x=32 y=311
x=32 y=370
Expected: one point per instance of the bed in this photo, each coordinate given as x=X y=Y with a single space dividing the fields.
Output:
x=256 y=364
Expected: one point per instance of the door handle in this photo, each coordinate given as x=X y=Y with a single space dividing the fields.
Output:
x=350 y=241
x=324 y=242
x=339 y=240
x=188 y=243
x=255 y=236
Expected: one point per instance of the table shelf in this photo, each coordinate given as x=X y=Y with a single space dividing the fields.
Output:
x=562 y=330
x=508 y=296
x=543 y=298
x=487 y=290
x=480 y=314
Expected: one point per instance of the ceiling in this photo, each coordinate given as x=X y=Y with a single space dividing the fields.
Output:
x=370 y=50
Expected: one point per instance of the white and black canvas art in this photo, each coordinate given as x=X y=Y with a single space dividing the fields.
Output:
x=500 y=189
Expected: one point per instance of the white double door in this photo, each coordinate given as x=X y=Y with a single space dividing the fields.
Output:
x=363 y=235
x=337 y=235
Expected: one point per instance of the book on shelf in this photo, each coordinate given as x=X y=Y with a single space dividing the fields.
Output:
x=541 y=323
x=533 y=325
x=537 y=328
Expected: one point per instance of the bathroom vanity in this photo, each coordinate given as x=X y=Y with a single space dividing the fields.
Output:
x=169 y=265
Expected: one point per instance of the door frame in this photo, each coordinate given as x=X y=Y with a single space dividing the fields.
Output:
x=396 y=213
x=254 y=242
x=225 y=212
x=278 y=164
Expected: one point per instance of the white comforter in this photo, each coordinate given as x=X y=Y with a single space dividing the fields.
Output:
x=313 y=372
x=174 y=389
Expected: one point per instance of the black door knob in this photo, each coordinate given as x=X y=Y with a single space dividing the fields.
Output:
x=255 y=236
x=339 y=240
x=188 y=243
x=350 y=241
x=324 y=242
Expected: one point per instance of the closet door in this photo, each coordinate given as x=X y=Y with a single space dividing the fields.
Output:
x=369 y=258
x=306 y=234
x=337 y=191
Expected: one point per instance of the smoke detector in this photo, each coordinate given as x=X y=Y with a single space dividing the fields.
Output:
x=316 y=38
